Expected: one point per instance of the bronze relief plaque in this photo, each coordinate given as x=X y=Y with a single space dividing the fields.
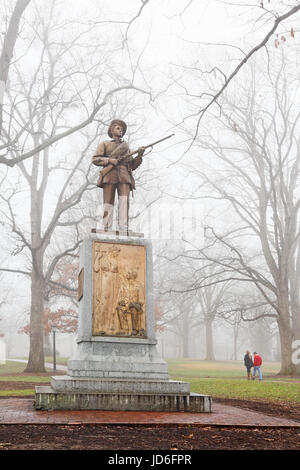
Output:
x=119 y=286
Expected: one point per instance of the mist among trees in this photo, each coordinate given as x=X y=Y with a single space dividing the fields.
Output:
x=220 y=200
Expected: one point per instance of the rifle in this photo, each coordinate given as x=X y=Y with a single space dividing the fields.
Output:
x=109 y=167
x=150 y=145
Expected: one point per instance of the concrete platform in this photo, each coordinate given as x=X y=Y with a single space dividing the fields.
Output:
x=65 y=383
x=48 y=399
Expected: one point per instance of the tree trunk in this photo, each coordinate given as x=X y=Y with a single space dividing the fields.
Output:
x=235 y=341
x=285 y=335
x=185 y=339
x=47 y=346
x=296 y=324
x=36 y=361
x=209 y=341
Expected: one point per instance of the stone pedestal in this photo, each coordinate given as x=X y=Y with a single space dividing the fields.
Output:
x=116 y=365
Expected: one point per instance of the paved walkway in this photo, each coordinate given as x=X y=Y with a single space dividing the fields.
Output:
x=49 y=365
x=21 y=411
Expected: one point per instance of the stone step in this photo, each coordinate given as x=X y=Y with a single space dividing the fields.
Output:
x=48 y=399
x=88 y=384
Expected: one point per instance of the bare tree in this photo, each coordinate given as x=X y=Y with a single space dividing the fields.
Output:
x=276 y=23
x=257 y=177
x=56 y=185
x=210 y=299
x=8 y=47
x=189 y=288
x=89 y=98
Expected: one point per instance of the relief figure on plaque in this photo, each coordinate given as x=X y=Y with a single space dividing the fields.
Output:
x=107 y=289
x=131 y=308
x=123 y=317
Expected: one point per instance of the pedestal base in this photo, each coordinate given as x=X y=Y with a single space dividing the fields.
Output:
x=110 y=370
x=117 y=233
x=47 y=399
x=118 y=358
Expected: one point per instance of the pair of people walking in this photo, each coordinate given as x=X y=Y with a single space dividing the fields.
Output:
x=255 y=363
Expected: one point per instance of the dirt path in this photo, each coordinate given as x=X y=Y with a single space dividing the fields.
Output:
x=279 y=409
x=113 y=437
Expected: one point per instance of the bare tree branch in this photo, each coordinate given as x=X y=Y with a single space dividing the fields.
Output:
x=255 y=49
x=8 y=48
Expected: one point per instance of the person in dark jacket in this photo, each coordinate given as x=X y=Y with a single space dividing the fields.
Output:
x=248 y=363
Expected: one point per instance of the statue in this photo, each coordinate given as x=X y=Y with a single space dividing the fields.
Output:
x=114 y=156
x=118 y=164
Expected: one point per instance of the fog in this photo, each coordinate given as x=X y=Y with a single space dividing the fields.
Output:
x=219 y=200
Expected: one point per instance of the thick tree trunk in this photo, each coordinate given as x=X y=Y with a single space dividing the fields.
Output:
x=185 y=340
x=47 y=346
x=209 y=341
x=285 y=335
x=285 y=331
x=36 y=361
x=235 y=342
x=296 y=324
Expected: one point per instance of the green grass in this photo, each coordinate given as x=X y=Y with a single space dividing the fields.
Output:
x=25 y=378
x=11 y=367
x=59 y=360
x=15 y=368
x=189 y=368
x=227 y=379
x=253 y=390
x=17 y=393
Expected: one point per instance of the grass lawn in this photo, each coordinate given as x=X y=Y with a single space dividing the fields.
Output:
x=223 y=379
x=59 y=360
x=17 y=393
x=247 y=390
x=11 y=367
x=194 y=368
x=227 y=379
x=25 y=378
x=12 y=373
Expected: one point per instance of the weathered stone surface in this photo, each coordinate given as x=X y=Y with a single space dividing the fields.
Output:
x=118 y=358
x=111 y=372
x=47 y=399
x=117 y=233
x=61 y=383
x=113 y=356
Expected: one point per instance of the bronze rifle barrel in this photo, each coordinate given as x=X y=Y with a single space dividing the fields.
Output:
x=151 y=145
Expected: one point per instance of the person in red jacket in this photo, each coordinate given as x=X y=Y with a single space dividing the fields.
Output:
x=257 y=362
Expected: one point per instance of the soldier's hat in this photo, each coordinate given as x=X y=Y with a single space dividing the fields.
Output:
x=117 y=122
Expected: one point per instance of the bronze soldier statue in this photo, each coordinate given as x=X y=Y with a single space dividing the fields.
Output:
x=116 y=174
